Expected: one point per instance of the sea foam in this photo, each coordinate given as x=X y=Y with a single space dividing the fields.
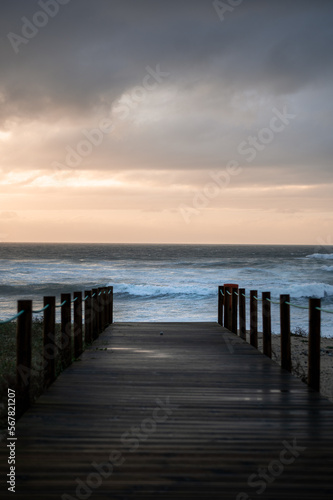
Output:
x=322 y=256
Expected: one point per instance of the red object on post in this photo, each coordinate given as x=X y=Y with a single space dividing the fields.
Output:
x=231 y=285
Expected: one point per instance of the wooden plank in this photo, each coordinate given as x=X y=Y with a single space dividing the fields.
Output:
x=193 y=412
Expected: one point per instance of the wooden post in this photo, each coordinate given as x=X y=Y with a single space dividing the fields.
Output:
x=88 y=318
x=111 y=306
x=220 y=302
x=227 y=303
x=50 y=345
x=221 y=297
x=285 y=332
x=107 y=306
x=95 y=301
x=23 y=355
x=100 y=311
x=314 y=344
x=105 y=301
x=254 y=319
x=234 y=312
x=97 y=312
x=242 y=313
x=66 y=330
x=78 y=341
x=267 y=324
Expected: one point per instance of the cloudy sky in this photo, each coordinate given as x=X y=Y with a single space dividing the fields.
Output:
x=166 y=121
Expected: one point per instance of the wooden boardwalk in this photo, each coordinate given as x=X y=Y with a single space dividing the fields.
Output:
x=194 y=413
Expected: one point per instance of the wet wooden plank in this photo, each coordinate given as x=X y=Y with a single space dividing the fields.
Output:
x=192 y=413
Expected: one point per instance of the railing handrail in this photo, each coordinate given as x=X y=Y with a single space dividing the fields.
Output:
x=89 y=321
x=230 y=308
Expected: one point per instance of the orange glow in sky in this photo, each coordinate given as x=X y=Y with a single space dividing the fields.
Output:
x=167 y=125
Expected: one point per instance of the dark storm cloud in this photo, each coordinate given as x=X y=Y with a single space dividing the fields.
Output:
x=228 y=77
x=90 y=52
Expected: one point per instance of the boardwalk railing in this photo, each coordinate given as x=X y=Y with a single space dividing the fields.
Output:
x=232 y=308
x=82 y=320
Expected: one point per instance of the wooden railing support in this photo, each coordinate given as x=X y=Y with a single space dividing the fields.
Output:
x=220 y=306
x=234 y=310
x=285 y=332
x=267 y=324
x=314 y=344
x=23 y=355
x=66 y=330
x=254 y=319
x=49 y=342
x=111 y=305
x=78 y=325
x=88 y=318
x=95 y=321
x=242 y=313
x=227 y=304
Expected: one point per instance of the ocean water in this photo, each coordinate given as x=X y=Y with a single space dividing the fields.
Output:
x=168 y=282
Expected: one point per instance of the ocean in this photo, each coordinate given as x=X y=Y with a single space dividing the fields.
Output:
x=168 y=282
